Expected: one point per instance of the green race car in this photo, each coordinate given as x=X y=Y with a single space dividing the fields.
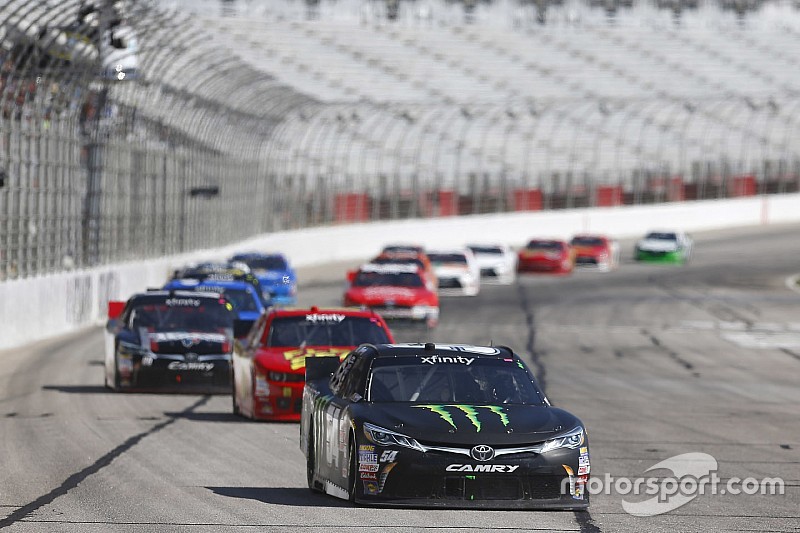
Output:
x=664 y=247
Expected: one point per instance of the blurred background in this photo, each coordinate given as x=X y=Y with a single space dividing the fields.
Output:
x=135 y=129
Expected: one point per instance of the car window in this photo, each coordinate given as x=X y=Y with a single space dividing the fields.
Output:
x=311 y=330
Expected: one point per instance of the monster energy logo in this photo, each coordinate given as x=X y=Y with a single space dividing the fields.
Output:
x=471 y=412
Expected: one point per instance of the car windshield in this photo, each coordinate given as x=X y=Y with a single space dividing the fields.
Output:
x=402 y=248
x=264 y=263
x=489 y=250
x=242 y=299
x=448 y=258
x=210 y=316
x=662 y=236
x=387 y=279
x=484 y=381
x=544 y=245
x=325 y=330
x=587 y=241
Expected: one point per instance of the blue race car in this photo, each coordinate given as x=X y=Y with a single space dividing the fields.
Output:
x=277 y=277
x=247 y=303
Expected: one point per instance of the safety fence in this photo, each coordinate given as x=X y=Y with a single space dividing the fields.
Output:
x=131 y=132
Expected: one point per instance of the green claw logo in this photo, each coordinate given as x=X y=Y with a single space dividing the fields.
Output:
x=470 y=411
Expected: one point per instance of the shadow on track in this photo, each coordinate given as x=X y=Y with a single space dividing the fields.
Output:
x=294 y=496
x=205 y=417
x=79 y=389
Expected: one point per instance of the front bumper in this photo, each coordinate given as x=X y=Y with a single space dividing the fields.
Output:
x=279 y=401
x=440 y=479
x=181 y=377
x=555 y=266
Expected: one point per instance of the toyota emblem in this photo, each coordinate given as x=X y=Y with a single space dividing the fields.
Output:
x=482 y=452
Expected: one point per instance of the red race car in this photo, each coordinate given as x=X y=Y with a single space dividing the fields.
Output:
x=546 y=255
x=403 y=292
x=269 y=366
x=595 y=251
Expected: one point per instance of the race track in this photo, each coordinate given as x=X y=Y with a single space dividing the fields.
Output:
x=657 y=361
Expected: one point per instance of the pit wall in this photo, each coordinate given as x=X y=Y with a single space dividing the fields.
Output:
x=35 y=308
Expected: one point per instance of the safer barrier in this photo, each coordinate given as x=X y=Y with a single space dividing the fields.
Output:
x=40 y=307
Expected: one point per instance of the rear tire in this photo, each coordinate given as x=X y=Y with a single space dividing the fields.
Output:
x=352 y=472
x=311 y=459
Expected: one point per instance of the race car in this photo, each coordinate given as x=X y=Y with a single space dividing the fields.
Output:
x=419 y=259
x=457 y=271
x=439 y=425
x=269 y=371
x=546 y=255
x=497 y=262
x=397 y=292
x=222 y=272
x=277 y=277
x=178 y=341
x=596 y=251
x=242 y=295
x=664 y=247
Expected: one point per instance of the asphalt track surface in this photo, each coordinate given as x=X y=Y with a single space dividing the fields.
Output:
x=657 y=360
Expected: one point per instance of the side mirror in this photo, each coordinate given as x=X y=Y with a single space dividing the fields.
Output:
x=351 y=275
x=112 y=325
x=241 y=328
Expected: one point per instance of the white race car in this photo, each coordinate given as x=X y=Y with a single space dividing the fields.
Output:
x=497 y=262
x=665 y=246
x=457 y=271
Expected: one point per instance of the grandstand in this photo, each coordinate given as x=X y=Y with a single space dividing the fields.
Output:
x=502 y=101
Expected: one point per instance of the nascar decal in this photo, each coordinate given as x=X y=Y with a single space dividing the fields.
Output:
x=297 y=358
x=434 y=359
x=470 y=411
x=371 y=488
x=325 y=318
x=384 y=475
x=194 y=338
x=185 y=302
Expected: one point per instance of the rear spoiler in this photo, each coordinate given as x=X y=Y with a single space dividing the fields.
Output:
x=321 y=367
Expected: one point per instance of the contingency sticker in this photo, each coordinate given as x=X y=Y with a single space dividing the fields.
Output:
x=297 y=357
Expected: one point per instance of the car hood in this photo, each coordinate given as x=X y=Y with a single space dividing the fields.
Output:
x=657 y=245
x=289 y=359
x=380 y=295
x=469 y=425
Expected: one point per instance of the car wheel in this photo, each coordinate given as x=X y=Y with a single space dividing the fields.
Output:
x=352 y=472
x=311 y=459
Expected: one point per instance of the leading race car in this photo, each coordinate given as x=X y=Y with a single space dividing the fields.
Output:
x=269 y=368
x=439 y=425
x=176 y=341
x=497 y=262
x=664 y=247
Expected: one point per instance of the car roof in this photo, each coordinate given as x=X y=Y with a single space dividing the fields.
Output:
x=156 y=296
x=391 y=268
x=346 y=311
x=227 y=283
x=441 y=349
x=253 y=255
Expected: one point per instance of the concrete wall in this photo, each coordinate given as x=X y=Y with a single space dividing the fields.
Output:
x=35 y=308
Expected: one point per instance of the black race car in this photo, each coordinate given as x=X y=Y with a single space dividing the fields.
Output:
x=439 y=425
x=170 y=341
